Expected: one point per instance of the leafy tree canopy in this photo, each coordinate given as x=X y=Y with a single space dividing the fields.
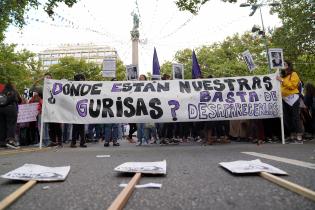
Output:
x=193 y=6
x=224 y=59
x=12 y=11
x=19 y=68
x=297 y=34
x=69 y=66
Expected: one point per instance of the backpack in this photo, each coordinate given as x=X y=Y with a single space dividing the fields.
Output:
x=7 y=95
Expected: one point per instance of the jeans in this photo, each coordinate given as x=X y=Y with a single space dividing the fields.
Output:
x=111 y=132
x=98 y=131
x=46 y=139
x=91 y=131
x=150 y=132
x=120 y=130
x=140 y=132
x=66 y=132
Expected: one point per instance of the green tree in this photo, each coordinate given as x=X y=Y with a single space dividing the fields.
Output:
x=296 y=35
x=12 y=11
x=20 y=68
x=193 y=6
x=69 y=66
x=225 y=59
x=166 y=68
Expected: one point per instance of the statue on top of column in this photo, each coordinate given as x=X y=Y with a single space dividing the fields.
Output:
x=135 y=32
x=135 y=21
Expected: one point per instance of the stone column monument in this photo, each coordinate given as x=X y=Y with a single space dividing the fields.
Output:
x=135 y=39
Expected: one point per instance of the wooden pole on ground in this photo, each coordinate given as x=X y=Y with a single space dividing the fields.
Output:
x=289 y=185
x=124 y=195
x=16 y=194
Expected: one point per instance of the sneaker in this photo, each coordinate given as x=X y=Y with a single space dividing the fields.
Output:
x=73 y=146
x=297 y=142
x=116 y=144
x=52 y=144
x=139 y=144
x=106 y=144
x=131 y=140
x=83 y=145
x=299 y=137
x=11 y=143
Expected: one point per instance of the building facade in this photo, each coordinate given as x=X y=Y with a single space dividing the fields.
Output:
x=87 y=52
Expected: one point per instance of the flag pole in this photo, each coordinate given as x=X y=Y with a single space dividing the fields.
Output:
x=42 y=118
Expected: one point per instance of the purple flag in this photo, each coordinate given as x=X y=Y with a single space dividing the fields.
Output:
x=196 y=73
x=156 y=66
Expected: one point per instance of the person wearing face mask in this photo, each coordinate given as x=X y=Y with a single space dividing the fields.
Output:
x=291 y=104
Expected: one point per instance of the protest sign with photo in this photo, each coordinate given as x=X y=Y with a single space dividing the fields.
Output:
x=38 y=172
x=158 y=167
x=132 y=72
x=249 y=60
x=276 y=58
x=251 y=166
x=178 y=71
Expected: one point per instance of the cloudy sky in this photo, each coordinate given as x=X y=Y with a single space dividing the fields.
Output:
x=109 y=22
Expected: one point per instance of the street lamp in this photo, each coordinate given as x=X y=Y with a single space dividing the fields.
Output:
x=254 y=7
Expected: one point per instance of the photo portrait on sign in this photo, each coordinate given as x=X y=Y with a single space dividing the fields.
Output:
x=178 y=71
x=276 y=58
x=132 y=72
x=249 y=60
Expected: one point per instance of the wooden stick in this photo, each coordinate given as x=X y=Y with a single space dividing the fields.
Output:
x=289 y=185
x=124 y=195
x=16 y=194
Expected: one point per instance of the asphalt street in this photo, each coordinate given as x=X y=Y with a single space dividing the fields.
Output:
x=194 y=178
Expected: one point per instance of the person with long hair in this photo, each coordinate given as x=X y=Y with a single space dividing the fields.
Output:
x=309 y=99
x=291 y=104
x=9 y=99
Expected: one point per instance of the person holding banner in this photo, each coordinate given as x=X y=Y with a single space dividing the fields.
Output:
x=111 y=131
x=140 y=126
x=78 y=130
x=291 y=104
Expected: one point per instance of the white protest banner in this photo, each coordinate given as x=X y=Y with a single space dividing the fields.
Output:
x=38 y=172
x=85 y=102
x=27 y=112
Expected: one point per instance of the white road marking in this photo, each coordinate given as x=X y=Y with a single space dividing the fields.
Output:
x=281 y=159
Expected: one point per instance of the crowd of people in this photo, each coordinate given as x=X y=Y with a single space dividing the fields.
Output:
x=298 y=115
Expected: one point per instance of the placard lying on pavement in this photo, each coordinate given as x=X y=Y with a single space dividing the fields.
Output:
x=38 y=172
x=252 y=166
x=158 y=167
